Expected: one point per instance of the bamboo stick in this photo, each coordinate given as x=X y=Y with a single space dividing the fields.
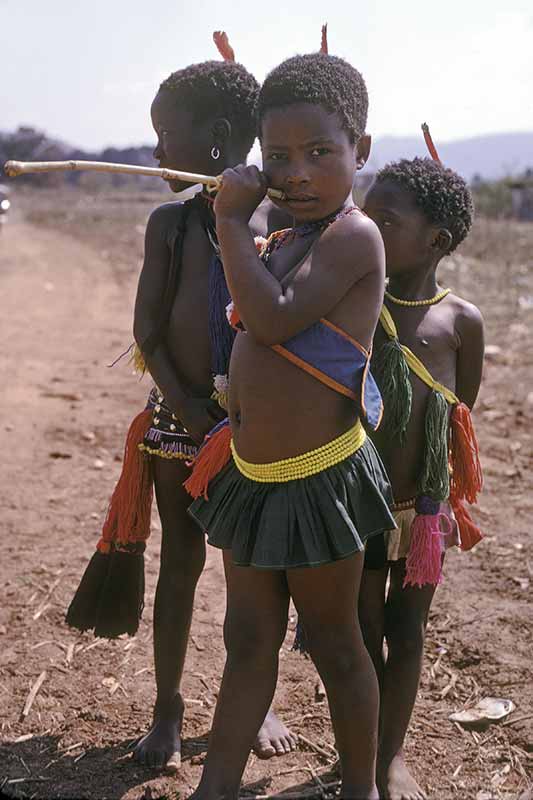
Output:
x=14 y=168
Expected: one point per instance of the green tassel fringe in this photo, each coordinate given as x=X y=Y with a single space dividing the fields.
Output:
x=300 y=644
x=435 y=478
x=391 y=372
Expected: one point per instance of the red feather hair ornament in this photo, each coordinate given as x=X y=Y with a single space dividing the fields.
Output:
x=324 y=40
x=429 y=142
x=221 y=40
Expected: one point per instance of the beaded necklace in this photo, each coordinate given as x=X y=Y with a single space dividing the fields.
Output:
x=280 y=238
x=430 y=301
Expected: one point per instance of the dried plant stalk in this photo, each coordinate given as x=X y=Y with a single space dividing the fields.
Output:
x=32 y=695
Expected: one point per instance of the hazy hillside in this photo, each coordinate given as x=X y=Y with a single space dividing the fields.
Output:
x=492 y=156
x=31 y=144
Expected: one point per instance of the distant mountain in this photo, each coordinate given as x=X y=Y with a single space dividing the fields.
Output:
x=492 y=156
x=31 y=144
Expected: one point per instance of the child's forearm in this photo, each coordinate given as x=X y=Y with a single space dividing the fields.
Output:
x=255 y=292
x=470 y=357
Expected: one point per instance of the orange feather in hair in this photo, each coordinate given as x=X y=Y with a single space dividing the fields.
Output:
x=221 y=40
x=429 y=141
x=324 y=40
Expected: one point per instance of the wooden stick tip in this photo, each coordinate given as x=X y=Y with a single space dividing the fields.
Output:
x=12 y=168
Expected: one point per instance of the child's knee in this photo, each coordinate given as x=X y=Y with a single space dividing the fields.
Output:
x=337 y=653
x=251 y=639
x=182 y=562
x=405 y=633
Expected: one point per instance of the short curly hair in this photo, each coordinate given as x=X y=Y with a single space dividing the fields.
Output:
x=320 y=79
x=218 y=89
x=441 y=194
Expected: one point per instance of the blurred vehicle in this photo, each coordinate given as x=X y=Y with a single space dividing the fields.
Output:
x=5 y=204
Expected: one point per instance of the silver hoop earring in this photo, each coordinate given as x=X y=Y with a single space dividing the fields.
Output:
x=215 y=153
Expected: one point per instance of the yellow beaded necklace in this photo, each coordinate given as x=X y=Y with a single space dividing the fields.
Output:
x=429 y=302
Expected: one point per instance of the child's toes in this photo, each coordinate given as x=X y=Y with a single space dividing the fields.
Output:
x=263 y=747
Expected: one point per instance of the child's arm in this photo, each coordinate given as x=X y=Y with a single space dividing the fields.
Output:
x=469 y=326
x=272 y=313
x=192 y=412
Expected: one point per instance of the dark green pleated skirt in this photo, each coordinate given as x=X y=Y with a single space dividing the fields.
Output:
x=301 y=523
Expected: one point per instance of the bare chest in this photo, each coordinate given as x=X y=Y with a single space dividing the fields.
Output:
x=429 y=332
x=291 y=260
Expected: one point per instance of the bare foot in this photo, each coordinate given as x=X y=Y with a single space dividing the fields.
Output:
x=161 y=747
x=360 y=794
x=274 y=739
x=395 y=782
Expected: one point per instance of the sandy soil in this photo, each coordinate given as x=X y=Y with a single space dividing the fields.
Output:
x=68 y=267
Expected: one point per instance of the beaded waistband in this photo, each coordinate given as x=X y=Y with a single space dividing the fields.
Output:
x=298 y=467
x=404 y=505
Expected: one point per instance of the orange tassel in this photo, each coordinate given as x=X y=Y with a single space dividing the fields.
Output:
x=128 y=516
x=469 y=531
x=221 y=40
x=429 y=142
x=212 y=457
x=324 y=40
x=234 y=318
x=467 y=476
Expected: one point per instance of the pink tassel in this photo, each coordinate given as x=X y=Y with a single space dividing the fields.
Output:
x=424 y=560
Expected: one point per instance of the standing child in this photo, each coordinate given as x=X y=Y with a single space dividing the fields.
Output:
x=428 y=355
x=304 y=488
x=203 y=116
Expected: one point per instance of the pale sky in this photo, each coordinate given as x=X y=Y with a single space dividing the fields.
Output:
x=86 y=72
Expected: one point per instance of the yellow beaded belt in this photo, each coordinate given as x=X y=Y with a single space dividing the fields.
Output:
x=298 y=467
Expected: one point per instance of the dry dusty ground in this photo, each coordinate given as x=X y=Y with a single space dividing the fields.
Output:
x=68 y=265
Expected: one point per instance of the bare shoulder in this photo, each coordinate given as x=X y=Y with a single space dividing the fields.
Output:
x=468 y=322
x=160 y=225
x=353 y=240
x=164 y=216
x=154 y=273
x=468 y=319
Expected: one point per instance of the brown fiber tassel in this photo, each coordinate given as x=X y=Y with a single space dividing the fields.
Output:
x=110 y=597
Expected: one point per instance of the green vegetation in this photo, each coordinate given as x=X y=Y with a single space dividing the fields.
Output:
x=492 y=198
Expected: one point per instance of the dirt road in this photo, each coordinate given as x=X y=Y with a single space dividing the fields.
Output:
x=67 y=285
